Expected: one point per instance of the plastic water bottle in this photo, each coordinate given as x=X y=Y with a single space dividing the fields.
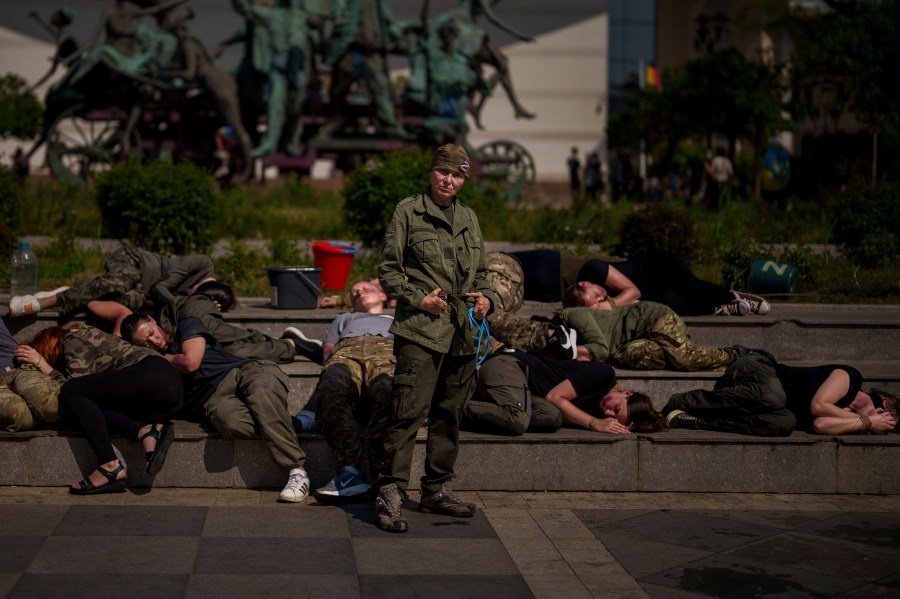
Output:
x=24 y=270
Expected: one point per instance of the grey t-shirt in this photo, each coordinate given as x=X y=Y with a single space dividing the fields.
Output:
x=357 y=324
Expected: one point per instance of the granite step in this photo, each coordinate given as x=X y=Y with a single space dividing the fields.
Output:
x=568 y=460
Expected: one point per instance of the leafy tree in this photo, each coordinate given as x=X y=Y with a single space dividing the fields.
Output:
x=20 y=110
x=845 y=59
x=720 y=93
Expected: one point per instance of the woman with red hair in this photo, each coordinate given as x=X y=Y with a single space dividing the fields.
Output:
x=111 y=388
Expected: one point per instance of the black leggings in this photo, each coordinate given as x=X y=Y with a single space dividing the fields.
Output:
x=120 y=402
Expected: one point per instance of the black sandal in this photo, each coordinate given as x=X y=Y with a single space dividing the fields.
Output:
x=86 y=487
x=164 y=438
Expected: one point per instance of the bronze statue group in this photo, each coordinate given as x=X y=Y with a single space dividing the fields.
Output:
x=453 y=62
x=170 y=354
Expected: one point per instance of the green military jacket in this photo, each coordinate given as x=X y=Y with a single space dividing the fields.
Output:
x=423 y=251
x=605 y=333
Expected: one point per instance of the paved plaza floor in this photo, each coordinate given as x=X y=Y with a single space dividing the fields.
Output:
x=240 y=543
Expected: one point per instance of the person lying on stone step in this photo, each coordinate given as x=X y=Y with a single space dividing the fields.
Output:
x=240 y=397
x=209 y=300
x=352 y=396
x=111 y=388
x=757 y=395
x=345 y=300
x=603 y=283
x=642 y=336
x=28 y=397
x=124 y=287
x=518 y=392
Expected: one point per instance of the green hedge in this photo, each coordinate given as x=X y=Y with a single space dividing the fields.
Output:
x=160 y=206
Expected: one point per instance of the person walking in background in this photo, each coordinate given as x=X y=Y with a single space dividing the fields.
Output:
x=593 y=177
x=433 y=265
x=719 y=172
x=574 y=166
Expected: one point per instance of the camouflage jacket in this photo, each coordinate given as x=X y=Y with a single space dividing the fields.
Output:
x=90 y=350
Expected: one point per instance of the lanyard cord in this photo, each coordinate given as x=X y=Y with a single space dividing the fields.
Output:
x=483 y=333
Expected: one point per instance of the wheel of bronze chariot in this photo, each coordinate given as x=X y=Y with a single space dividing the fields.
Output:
x=508 y=165
x=82 y=143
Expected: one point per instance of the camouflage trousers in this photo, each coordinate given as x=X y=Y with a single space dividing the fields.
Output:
x=668 y=345
x=28 y=397
x=507 y=281
x=121 y=282
x=352 y=398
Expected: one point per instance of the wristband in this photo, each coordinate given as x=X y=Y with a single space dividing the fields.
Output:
x=867 y=424
x=592 y=423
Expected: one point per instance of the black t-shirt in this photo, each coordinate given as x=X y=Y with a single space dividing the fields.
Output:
x=801 y=383
x=597 y=271
x=591 y=380
x=216 y=363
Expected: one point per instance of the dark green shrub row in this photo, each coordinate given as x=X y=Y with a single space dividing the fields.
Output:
x=160 y=206
x=867 y=223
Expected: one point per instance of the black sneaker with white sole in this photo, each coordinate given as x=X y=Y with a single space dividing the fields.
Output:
x=563 y=344
x=681 y=419
x=303 y=345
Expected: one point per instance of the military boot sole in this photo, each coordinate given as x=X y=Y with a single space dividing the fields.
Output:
x=455 y=511
x=394 y=526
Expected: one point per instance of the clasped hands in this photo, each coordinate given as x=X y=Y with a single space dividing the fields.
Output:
x=434 y=304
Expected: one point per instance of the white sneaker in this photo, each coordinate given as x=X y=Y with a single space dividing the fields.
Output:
x=21 y=305
x=222 y=171
x=45 y=294
x=757 y=304
x=297 y=487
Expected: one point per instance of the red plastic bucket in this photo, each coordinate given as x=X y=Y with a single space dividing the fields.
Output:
x=335 y=260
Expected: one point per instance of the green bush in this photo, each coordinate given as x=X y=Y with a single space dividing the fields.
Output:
x=658 y=227
x=160 y=206
x=372 y=190
x=867 y=223
x=20 y=110
x=10 y=199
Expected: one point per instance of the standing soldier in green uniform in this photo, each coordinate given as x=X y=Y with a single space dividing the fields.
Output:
x=433 y=265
